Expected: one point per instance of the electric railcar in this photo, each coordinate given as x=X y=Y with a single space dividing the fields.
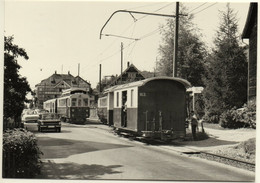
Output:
x=72 y=106
x=154 y=107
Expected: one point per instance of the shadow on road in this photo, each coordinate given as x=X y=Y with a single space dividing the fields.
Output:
x=211 y=141
x=52 y=170
x=63 y=148
x=52 y=131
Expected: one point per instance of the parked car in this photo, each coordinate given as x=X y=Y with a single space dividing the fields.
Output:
x=29 y=119
x=41 y=111
x=49 y=121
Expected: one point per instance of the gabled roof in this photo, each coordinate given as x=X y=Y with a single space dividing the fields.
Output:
x=251 y=19
x=80 y=78
x=59 y=78
x=184 y=82
x=62 y=82
x=131 y=68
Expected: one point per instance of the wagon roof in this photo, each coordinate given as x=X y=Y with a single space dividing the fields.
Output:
x=184 y=82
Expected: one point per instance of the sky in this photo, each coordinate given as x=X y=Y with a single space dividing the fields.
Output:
x=62 y=35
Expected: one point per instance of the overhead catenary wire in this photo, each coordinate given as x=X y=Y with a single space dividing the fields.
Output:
x=134 y=24
x=150 y=33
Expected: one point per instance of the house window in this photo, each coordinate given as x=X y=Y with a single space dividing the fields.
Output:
x=132 y=75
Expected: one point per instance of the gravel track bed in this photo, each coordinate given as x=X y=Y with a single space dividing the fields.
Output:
x=227 y=162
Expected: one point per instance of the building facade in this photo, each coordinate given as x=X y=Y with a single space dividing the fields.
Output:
x=250 y=32
x=53 y=86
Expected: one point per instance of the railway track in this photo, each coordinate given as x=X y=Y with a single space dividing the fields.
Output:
x=226 y=160
x=206 y=155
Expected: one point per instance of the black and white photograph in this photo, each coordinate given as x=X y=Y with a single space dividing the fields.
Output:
x=150 y=90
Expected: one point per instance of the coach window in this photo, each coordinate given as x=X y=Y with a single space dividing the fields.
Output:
x=68 y=102
x=73 y=102
x=117 y=99
x=132 y=97
x=62 y=102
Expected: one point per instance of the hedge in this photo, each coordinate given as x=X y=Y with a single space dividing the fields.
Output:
x=21 y=154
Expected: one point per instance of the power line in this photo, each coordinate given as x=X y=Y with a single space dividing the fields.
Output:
x=130 y=52
x=156 y=10
x=148 y=5
x=150 y=33
x=115 y=52
x=197 y=7
x=205 y=8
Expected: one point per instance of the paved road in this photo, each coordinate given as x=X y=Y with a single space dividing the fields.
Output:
x=94 y=152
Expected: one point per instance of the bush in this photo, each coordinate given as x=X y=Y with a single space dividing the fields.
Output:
x=249 y=146
x=238 y=118
x=211 y=118
x=231 y=119
x=248 y=114
x=21 y=155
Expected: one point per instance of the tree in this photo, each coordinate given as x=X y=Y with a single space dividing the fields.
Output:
x=226 y=71
x=191 y=52
x=15 y=87
x=105 y=82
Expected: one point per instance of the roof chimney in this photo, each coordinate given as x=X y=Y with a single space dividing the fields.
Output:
x=68 y=72
x=128 y=64
x=55 y=72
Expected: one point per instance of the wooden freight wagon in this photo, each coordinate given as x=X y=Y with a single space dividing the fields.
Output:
x=154 y=107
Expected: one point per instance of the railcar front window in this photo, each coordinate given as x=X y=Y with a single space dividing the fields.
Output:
x=85 y=102
x=79 y=102
x=73 y=102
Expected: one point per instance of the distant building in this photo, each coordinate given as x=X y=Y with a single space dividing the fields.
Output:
x=250 y=32
x=52 y=86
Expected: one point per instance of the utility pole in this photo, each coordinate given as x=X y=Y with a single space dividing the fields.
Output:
x=176 y=34
x=78 y=68
x=78 y=74
x=99 y=78
x=122 y=47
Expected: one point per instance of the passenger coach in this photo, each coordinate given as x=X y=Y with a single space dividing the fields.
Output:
x=154 y=107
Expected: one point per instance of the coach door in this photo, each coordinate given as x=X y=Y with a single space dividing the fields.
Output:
x=124 y=109
x=110 y=105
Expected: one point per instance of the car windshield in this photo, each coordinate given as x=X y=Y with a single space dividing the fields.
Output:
x=30 y=112
x=49 y=116
x=42 y=111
